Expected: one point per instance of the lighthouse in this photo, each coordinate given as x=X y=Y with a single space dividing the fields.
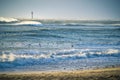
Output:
x=31 y=14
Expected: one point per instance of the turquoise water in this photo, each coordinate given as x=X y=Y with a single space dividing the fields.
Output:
x=58 y=46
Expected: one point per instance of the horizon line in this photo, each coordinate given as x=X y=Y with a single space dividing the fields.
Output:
x=63 y=19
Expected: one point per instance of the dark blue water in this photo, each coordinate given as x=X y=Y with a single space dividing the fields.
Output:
x=58 y=46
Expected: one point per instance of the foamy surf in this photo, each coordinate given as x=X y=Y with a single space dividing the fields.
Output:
x=59 y=54
x=29 y=23
x=26 y=46
x=4 y=19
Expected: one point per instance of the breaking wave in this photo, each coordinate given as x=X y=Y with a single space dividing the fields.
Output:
x=6 y=56
x=13 y=21
x=61 y=54
x=6 y=20
x=29 y=23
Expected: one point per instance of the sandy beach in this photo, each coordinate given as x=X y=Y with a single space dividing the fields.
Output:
x=96 y=74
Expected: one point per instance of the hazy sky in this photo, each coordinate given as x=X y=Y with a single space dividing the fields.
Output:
x=61 y=9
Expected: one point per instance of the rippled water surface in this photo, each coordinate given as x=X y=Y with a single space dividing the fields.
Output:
x=53 y=46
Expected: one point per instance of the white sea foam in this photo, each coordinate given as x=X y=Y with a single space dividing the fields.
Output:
x=71 y=53
x=30 y=23
x=3 y=19
x=7 y=57
x=112 y=51
x=80 y=54
x=35 y=56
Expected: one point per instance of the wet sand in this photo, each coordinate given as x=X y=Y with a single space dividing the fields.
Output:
x=96 y=74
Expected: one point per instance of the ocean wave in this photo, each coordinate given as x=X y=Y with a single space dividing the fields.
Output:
x=29 y=23
x=71 y=24
x=61 y=54
x=88 y=24
x=81 y=24
x=13 y=21
x=115 y=24
x=6 y=20
x=7 y=57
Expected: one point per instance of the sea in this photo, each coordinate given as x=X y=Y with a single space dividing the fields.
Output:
x=58 y=45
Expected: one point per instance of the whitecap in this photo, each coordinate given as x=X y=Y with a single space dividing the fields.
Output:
x=7 y=57
x=35 y=56
x=29 y=23
x=112 y=51
x=4 y=19
x=60 y=54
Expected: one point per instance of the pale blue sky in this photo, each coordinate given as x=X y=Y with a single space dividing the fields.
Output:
x=61 y=9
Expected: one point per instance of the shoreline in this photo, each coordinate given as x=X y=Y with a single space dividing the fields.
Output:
x=93 y=74
x=61 y=70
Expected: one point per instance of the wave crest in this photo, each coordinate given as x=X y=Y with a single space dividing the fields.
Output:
x=61 y=54
x=7 y=57
x=30 y=23
x=3 y=19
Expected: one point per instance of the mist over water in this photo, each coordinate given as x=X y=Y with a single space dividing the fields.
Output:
x=58 y=45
